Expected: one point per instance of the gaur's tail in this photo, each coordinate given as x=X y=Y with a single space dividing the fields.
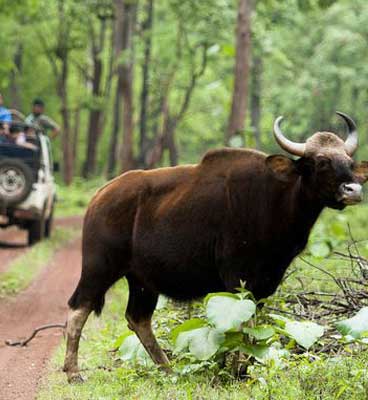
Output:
x=80 y=298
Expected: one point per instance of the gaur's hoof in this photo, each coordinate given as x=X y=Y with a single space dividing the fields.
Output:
x=166 y=368
x=75 y=377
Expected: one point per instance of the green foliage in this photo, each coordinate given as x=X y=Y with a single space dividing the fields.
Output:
x=304 y=333
x=132 y=349
x=202 y=343
x=355 y=327
x=226 y=331
x=227 y=313
x=74 y=199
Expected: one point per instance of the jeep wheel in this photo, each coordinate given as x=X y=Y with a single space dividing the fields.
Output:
x=16 y=179
x=36 y=231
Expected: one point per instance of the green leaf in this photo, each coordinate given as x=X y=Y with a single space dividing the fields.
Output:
x=202 y=343
x=260 y=332
x=133 y=350
x=320 y=249
x=188 y=325
x=258 y=351
x=228 y=313
x=304 y=333
x=356 y=326
x=223 y=294
x=162 y=302
x=232 y=341
x=119 y=341
x=279 y=319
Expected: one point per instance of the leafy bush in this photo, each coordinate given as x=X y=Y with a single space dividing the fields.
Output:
x=232 y=325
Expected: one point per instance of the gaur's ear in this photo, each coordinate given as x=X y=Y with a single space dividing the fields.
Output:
x=282 y=167
x=361 y=171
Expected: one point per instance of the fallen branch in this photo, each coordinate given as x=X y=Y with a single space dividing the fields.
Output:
x=24 y=342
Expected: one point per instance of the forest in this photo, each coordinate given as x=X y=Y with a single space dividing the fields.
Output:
x=154 y=83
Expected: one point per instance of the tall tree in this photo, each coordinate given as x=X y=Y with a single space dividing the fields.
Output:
x=144 y=97
x=94 y=128
x=126 y=79
x=240 y=92
x=58 y=55
x=117 y=39
x=255 y=98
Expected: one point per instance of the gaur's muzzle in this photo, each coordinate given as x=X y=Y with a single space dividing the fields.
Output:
x=350 y=193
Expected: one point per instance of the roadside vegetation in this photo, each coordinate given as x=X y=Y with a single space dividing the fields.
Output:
x=25 y=268
x=328 y=367
x=73 y=199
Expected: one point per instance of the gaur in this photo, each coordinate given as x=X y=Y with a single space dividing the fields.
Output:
x=185 y=231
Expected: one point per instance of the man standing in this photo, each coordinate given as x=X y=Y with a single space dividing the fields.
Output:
x=45 y=123
x=5 y=117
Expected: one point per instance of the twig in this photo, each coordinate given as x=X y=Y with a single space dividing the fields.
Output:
x=24 y=342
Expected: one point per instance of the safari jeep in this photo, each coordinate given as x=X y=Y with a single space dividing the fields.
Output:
x=27 y=187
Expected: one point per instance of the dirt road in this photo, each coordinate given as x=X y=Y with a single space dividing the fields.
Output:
x=43 y=302
x=13 y=241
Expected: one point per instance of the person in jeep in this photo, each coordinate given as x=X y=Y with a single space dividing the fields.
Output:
x=5 y=120
x=38 y=118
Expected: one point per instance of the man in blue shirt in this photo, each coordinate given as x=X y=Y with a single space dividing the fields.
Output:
x=5 y=118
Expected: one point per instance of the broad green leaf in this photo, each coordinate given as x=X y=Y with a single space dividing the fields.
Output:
x=356 y=326
x=274 y=354
x=202 y=343
x=258 y=351
x=222 y=294
x=133 y=350
x=279 y=319
x=227 y=313
x=162 y=302
x=305 y=333
x=260 y=332
x=320 y=249
x=188 y=325
x=119 y=341
x=232 y=341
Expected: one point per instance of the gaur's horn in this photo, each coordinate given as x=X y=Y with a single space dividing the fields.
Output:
x=297 y=149
x=351 y=143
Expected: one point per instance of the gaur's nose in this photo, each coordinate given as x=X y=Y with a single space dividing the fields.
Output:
x=351 y=193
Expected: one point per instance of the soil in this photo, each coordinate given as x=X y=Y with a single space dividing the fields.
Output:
x=43 y=302
x=13 y=241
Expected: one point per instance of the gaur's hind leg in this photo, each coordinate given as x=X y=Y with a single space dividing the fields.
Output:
x=88 y=296
x=141 y=305
x=76 y=320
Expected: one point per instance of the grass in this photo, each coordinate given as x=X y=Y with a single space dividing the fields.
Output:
x=306 y=377
x=73 y=199
x=108 y=378
x=22 y=271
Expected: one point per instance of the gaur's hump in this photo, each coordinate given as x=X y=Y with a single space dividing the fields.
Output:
x=229 y=154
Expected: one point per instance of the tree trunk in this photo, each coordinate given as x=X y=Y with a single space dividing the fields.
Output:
x=66 y=135
x=15 y=90
x=112 y=158
x=147 y=35
x=76 y=127
x=239 y=101
x=117 y=48
x=126 y=154
x=62 y=53
x=255 y=99
x=94 y=122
